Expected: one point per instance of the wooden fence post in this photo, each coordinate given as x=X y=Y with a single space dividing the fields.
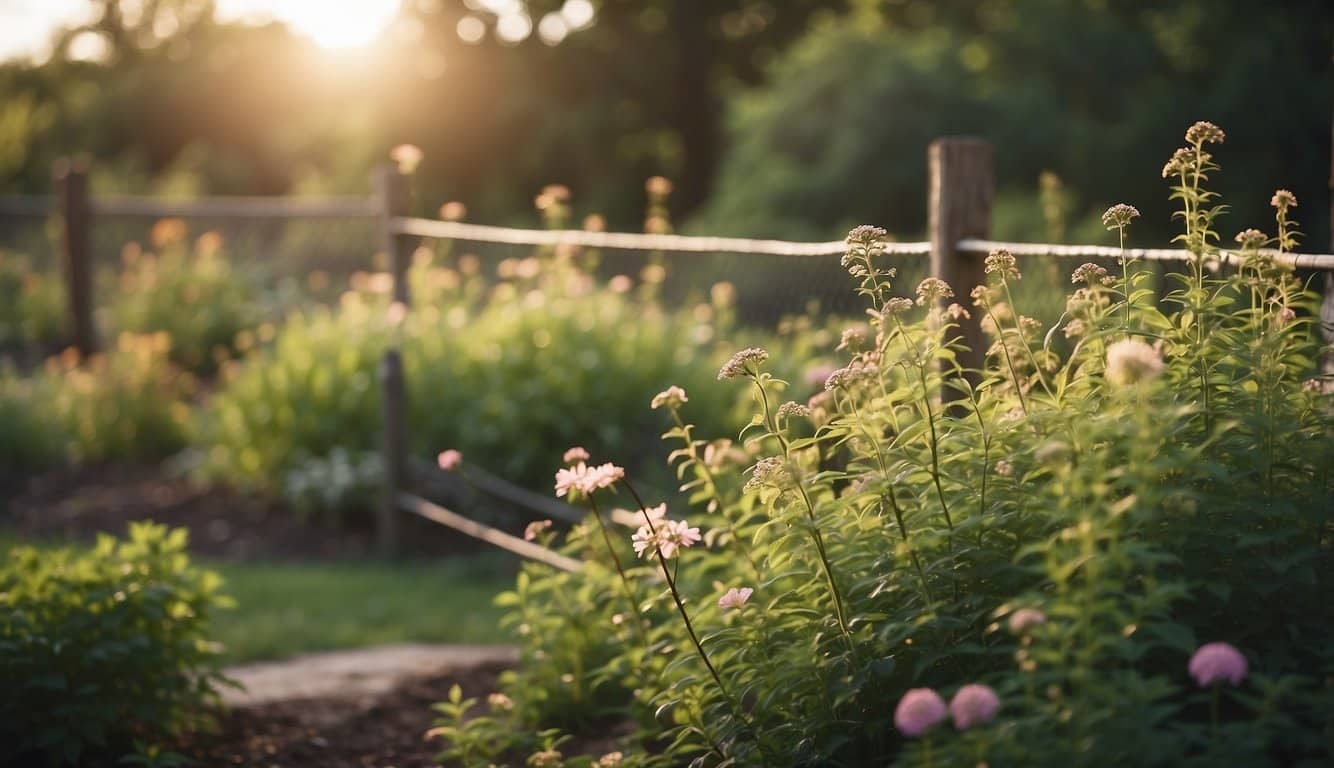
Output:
x=392 y=198
x=959 y=206
x=393 y=398
x=71 y=181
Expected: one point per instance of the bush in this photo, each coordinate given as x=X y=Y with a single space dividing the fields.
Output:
x=32 y=303
x=1117 y=556
x=196 y=298
x=104 y=649
x=497 y=374
x=125 y=404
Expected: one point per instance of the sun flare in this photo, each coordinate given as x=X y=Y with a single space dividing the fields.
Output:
x=333 y=25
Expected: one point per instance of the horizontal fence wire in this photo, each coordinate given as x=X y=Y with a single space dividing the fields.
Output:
x=436 y=513
x=254 y=207
x=1317 y=261
x=240 y=207
x=27 y=205
x=453 y=230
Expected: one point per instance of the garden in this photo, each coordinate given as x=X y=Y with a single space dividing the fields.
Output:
x=327 y=479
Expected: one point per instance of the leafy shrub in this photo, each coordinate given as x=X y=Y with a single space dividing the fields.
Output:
x=32 y=303
x=196 y=298
x=496 y=373
x=124 y=404
x=104 y=648
x=1116 y=556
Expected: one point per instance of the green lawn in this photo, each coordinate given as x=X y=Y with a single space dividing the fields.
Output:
x=286 y=608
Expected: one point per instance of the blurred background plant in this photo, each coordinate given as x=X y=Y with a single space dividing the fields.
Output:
x=794 y=119
x=191 y=294
x=129 y=403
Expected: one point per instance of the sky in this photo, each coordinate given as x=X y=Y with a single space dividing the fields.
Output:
x=26 y=25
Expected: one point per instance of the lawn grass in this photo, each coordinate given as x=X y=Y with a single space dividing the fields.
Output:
x=286 y=608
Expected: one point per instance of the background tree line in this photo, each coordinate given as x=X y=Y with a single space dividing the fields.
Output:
x=795 y=118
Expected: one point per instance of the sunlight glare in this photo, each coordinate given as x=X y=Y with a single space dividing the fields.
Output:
x=341 y=25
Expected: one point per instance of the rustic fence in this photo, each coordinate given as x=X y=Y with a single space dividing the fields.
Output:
x=960 y=190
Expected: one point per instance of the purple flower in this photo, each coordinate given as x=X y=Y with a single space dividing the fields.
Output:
x=918 y=711
x=973 y=705
x=1215 y=662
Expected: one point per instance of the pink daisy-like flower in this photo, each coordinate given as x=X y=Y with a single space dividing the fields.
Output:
x=1216 y=662
x=645 y=540
x=586 y=479
x=918 y=711
x=679 y=534
x=667 y=537
x=735 y=598
x=575 y=455
x=449 y=460
x=972 y=705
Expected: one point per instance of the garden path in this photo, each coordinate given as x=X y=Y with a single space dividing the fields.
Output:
x=356 y=673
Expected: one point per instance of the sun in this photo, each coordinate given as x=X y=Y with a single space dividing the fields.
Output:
x=332 y=24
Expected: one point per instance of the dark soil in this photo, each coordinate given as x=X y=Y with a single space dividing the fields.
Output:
x=381 y=731
x=78 y=503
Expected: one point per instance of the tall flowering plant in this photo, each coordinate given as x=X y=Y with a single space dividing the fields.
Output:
x=1114 y=555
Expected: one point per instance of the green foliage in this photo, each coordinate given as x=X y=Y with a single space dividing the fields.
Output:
x=1066 y=529
x=32 y=303
x=105 y=651
x=838 y=133
x=195 y=298
x=124 y=404
x=495 y=372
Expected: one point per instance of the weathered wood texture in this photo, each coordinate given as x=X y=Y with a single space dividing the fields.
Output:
x=961 y=185
x=71 y=180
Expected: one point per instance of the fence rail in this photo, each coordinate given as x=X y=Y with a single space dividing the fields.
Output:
x=1316 y=261
x=959 y=194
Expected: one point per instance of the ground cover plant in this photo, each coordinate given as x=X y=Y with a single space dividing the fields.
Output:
x=1114 y=555
x=104 y=652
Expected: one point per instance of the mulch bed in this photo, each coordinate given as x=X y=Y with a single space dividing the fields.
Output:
x=379 y=731
x=78 y=503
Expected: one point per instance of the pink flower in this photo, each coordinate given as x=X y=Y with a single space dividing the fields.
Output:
x=574 y=455
x=678 y=534
x=1216 y=662
x=1025 y=619
x=667 y=537
x=449 y=460
x=644 y=539
x=535 y=528
x=586 y=479
x=918 y=711
x=735 y=598
x=973 y=705
x=672 y=397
